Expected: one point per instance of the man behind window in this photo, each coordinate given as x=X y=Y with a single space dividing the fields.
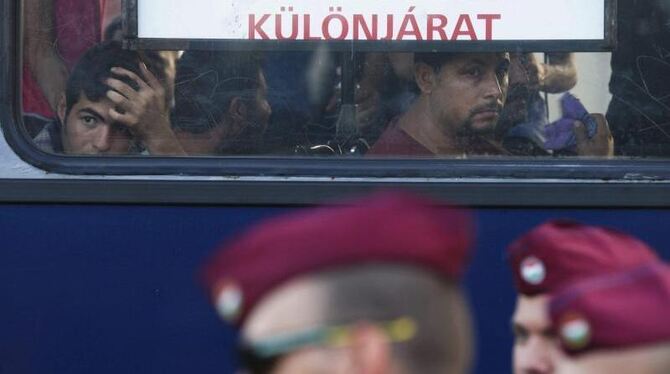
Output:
x=221 y=103
x=113 y=104
x=366 y=288
x=461 y=97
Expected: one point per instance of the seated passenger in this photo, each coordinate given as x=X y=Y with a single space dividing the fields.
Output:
x=461 y=96
x=460 y=101
x=108 y=109
x=220 y=103
x=384 y=91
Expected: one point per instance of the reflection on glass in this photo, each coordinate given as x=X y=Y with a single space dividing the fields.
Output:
x=85 y=94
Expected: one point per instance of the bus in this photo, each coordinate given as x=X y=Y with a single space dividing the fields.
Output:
x=104 y=230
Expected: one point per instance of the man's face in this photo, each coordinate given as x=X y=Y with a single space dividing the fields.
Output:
x=469 y=92
x=260 y=110
x=88 y=129
x=255 y=121
x=244 y=132
x=535 y=347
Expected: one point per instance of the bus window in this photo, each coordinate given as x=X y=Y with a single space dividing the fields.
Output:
x=91 y=87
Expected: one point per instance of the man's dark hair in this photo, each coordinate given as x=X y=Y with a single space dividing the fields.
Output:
x=114 y=29
x=94 y=67
x=207 y=82
x=434 y=59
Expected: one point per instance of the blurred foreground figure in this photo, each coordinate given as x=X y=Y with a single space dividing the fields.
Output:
x=616 y=324
x=367 y=288
x=552 y=257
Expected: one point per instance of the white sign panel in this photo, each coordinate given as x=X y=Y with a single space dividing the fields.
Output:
x=405 y=20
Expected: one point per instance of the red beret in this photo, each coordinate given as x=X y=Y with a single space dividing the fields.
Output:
x=559 y=253
x=385 y=228
x=615 y=311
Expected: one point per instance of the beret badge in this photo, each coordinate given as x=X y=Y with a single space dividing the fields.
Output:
x=229 y=301
x=533 y=271
x=575 y=332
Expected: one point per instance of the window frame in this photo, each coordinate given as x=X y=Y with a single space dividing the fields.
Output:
x=130 y=30
x=500 y=182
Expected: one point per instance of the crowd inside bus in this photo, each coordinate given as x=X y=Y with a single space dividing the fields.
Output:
x=84 y=94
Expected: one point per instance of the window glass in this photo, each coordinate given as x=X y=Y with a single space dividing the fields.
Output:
x=85 y=92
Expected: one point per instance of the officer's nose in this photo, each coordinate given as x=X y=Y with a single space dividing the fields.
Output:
x=539 y=359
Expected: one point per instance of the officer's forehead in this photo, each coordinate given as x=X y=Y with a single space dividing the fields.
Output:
x=531 y=312
x=296 y=305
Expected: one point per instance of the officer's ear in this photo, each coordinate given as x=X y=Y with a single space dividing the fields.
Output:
x=425 y=77
x=370 y=350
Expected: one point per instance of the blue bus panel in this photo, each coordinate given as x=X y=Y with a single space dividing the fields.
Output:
x=112 y=289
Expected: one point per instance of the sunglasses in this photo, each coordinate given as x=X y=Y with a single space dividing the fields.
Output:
x=261 y=357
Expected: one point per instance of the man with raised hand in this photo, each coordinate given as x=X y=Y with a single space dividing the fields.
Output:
x=371 y=287
x=113 y=105
x=549 y=258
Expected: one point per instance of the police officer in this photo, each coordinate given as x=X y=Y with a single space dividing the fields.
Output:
x=370 y=287
x=551 y=257
x=615 y=324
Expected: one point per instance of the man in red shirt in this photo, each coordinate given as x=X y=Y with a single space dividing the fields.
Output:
x=461 y=97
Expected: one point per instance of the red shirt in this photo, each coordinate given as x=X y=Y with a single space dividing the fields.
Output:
x=396 y=142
